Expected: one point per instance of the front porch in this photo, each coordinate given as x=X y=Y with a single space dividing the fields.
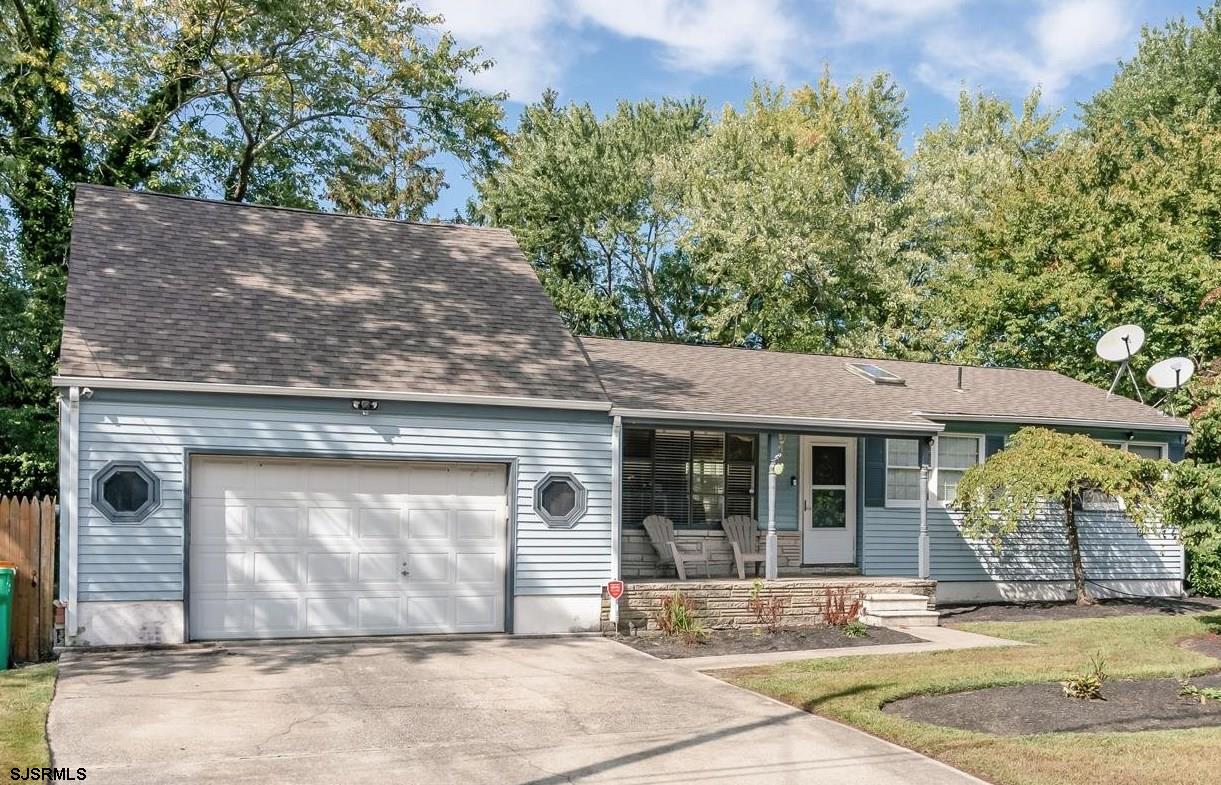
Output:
x=725 y=602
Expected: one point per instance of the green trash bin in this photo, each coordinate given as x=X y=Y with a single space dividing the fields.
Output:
x=8 y=577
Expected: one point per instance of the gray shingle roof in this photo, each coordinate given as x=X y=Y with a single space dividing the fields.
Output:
x=187 y=290
x=683 y=378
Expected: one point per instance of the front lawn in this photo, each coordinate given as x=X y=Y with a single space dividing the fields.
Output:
x=25 y=696
x=852 y=691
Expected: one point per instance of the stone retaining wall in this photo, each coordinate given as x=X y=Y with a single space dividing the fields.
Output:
x=725 y=603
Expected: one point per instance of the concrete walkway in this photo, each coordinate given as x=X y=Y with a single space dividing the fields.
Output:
x=935 y=639
x=524 y=712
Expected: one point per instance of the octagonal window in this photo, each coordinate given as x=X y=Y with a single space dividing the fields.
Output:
x=559 y=499
x=126 y=492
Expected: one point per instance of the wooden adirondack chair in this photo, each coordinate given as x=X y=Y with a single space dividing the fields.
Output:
x=661 y=533
x=743 y=534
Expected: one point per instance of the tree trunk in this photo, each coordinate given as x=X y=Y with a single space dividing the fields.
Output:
x=1074 y=549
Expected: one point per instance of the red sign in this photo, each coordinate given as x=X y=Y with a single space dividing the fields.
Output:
x=615 y=589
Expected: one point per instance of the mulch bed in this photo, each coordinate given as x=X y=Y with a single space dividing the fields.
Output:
x=750 y=641
x=1138 y=705
x=1208 y=645
x=1059 y=611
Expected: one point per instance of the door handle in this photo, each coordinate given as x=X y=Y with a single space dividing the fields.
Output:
x=404 y=571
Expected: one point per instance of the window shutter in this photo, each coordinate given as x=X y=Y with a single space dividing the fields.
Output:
x=993 y=443
x=1177 y=449
x=874 y=493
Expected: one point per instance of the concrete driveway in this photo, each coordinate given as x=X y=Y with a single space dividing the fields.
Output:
x=455 y=711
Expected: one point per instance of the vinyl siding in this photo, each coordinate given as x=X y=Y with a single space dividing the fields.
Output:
x=786 y=491
x=1112 y=548
x=144 y=561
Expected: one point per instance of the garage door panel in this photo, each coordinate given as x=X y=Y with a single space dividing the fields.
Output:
x=428 y=524
x=380 y=523
x=326 y=522
x=299 y=548
x=276 y=522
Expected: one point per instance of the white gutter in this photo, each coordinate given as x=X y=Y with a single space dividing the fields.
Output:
x=327 y=392
x=1177 y=426
x=762 y=419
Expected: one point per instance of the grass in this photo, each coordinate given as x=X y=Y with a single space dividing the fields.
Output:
x=25 y=696
x=852 y=691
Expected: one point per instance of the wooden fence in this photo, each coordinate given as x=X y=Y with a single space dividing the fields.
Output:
x=27 y=540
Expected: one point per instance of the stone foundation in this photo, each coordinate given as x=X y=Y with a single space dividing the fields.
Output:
x=725 y=603
x=639 y=558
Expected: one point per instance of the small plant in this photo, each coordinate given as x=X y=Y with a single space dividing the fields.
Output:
x=677 y=617
x=837 y=609
x=1201 y=694
x=854 y=629
x=768 y=611
x=1088 y=685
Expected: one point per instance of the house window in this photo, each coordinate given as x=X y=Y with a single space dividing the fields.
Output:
x=559 y=499
x=955 y=454
x=126 y=492
x=1096 y=501
x=694 y=478
x=902 y=473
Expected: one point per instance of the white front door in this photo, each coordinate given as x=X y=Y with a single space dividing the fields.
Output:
x=293 y=548
x=828 y=500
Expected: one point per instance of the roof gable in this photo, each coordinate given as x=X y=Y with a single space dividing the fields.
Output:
x=187 y=290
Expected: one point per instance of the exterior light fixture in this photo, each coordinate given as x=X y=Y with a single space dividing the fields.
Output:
x=364 y=406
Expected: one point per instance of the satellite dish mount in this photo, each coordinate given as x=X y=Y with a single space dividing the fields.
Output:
x=1118 y=346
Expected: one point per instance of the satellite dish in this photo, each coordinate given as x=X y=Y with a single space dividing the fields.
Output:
x=1171 y=374
x=1117 y=346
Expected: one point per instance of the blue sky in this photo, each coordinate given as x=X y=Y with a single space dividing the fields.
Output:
x=602 y=51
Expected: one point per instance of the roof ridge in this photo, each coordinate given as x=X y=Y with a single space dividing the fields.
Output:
x=286 y=209
x=824 y=354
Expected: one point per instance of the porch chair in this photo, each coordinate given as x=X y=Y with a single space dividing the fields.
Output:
x=742 y=531
x=661 y=534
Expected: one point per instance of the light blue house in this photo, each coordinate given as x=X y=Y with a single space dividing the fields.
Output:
x=278 y=423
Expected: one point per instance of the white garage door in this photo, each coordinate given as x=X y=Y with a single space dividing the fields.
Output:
x=289 y=548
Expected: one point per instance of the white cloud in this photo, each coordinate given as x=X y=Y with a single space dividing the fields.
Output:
x=1066 y=40
x=868 y=19
x=533 y=41
x=514 y=34
x=704 y=35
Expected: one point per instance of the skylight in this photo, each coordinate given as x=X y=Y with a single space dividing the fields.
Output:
x=875 y=373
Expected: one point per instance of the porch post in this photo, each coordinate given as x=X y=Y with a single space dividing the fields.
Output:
x=772 y=564
x=616 y=557
x=923 y=556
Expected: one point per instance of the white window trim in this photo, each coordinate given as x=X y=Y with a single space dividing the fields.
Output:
x=1108 y=504
x=933 y=498
x=897 y=503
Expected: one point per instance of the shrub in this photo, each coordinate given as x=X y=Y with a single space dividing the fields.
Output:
x=768 y=611
x=837 y=610
x=1088 y=685
x=677 y=617
x=1201 y=694
x=855 y=629
x=1193 y=506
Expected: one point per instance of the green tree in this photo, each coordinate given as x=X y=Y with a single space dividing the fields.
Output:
x=1043 y=470
x=583 y=197
x=255 y=100
x=1122 y=228
x=1174 y=77
x=795 y=218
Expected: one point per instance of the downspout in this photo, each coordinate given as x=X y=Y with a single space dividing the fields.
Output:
x=71 y=513
x=922 y=558
x=772 y=563
x=616 y=567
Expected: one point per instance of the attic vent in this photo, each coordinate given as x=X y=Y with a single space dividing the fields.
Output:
x=874 y=373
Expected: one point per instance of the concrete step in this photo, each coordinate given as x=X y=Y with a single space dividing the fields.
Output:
x=902 y=618
x=894 y=602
